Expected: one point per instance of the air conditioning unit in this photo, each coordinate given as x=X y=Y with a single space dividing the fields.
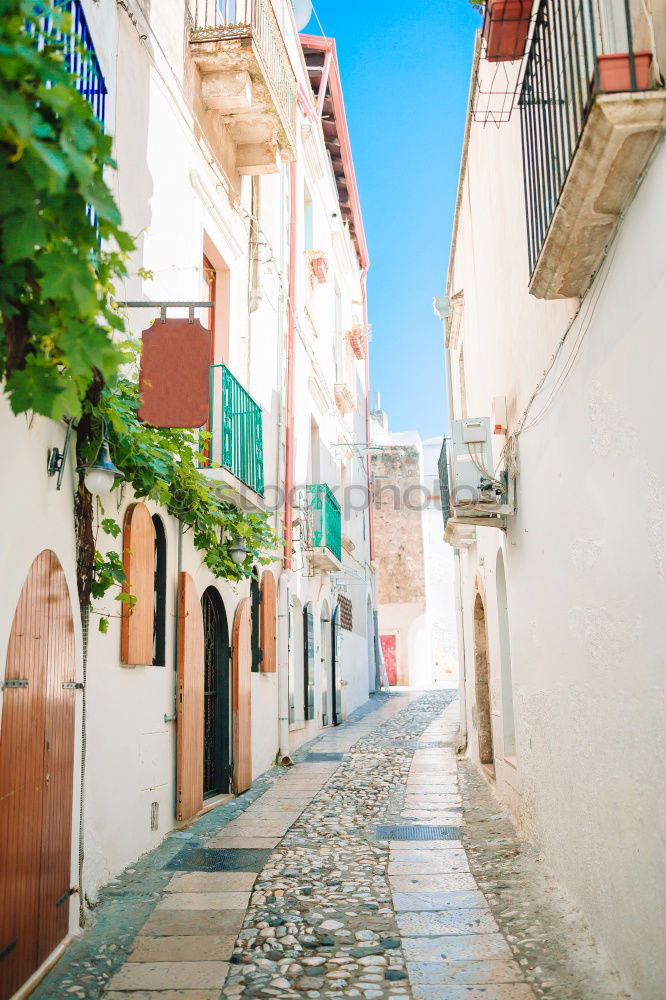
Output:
x=479 y=490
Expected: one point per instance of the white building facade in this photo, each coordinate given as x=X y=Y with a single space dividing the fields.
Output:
x=556 y=297
x=236 y=178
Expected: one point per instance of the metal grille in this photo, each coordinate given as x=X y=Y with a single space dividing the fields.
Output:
x=214 y=20
x=346 y=613
x=241 y=448
x=559 y=86
x=327 y=528
x=444 y=489
x=214 y=859
x=325 y=756
x=417 y=833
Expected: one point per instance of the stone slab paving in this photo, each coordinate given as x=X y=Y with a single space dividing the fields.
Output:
x=336 y=912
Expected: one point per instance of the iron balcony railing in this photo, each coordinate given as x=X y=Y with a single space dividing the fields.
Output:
x=236 y=430
x=255 y=20
x=79 y=52
x=562 y=76
x=444 y=486
x=327 y=520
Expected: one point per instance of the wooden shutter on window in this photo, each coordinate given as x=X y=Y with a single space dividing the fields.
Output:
x=190 y=700
x=308 y=663
x=268 y=622
x=242 y=697
x=136 y=633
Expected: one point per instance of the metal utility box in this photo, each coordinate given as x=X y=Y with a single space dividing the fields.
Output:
x=477 y=490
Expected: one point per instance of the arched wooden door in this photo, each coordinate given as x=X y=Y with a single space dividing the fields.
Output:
x=190 y=700
x=241 y=686
x=336 y=678
x=217 y=695
x=482 y=688
x=36 y=774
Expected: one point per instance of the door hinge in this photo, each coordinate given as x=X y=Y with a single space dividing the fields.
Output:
x=73 y=686
x=14 y=683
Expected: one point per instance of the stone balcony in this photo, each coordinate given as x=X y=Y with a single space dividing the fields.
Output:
x=246 y=78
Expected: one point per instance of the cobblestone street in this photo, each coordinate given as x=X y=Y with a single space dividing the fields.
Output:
x=319 y=884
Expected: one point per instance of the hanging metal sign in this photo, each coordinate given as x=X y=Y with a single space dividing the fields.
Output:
x=174 y=380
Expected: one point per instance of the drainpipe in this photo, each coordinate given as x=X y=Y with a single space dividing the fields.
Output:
x=284 y=641
x=371 y=518
x=291 y=339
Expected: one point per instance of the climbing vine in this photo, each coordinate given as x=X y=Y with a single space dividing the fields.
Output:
x=56 y=322
x=62 y=248
x=164 y=465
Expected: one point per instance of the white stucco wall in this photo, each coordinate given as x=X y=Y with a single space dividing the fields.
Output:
x=584 y=554
x=178 y=194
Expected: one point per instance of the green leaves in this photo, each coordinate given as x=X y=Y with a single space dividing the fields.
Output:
x=163 y=465
x=58 y=270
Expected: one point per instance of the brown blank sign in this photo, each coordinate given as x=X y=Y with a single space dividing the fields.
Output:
x=174 y=381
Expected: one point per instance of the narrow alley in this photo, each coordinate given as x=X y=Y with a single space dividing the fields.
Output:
x=377 y=866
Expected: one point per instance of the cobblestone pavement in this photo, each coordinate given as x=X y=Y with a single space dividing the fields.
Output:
x=328 y=900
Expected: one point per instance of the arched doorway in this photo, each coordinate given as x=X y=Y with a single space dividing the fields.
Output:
x=296 y=681
x=255 y=615
x=308 y=663
x=217 y=696
x=508 y=723
x=336 y=674
x=326 y=686
x=241 y=701
x=482 y=685
x=36 y=774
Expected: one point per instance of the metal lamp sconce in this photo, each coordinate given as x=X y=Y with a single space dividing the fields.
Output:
x=99 y=476
x=238 y=551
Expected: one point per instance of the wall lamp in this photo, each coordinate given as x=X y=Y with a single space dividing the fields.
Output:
x=238 y=551
x=101 y=474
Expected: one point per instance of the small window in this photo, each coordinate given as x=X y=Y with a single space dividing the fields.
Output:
x=159 y=594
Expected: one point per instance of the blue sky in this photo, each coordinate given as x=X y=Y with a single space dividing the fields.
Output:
x=405 y=75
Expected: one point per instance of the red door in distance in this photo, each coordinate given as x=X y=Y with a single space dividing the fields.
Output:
x=388 y=651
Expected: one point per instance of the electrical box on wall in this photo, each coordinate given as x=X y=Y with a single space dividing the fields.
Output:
x=478 y=489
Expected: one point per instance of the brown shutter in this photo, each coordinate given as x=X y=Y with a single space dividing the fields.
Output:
x=190 y=705
x=242 y=697
x=36 y=774
x=268 y=622
x=136 y=634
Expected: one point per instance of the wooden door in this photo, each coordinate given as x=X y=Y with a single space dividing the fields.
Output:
x=268 y=621
x=190 y=701
x=241 y=686
x=325 y=664
x=388 y=652
x=336 y=676
x=137 y=620
x=36 y=775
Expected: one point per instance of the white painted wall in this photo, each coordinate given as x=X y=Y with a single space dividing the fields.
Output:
x=175 y=190
x=584 y=555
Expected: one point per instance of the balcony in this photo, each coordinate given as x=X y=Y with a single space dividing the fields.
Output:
x=246 y=79
x=324 y=535
x=591 y=116
x=235 y=452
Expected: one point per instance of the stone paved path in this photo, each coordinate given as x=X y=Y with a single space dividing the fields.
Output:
x=325 y=905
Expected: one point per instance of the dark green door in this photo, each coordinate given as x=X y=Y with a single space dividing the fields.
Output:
x=217 y=696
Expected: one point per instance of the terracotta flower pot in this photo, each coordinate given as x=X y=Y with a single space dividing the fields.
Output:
x=319 y=267
x=505 y=28
x=615 y=71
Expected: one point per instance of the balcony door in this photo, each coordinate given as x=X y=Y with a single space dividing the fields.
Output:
x=217 y=695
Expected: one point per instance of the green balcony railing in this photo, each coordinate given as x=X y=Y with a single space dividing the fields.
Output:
x=327 y=527
x=235 y=427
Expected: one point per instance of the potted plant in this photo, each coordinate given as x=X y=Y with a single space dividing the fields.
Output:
x=505 y=28
x=318 y=266
x=615 y=71
x=358 y=340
